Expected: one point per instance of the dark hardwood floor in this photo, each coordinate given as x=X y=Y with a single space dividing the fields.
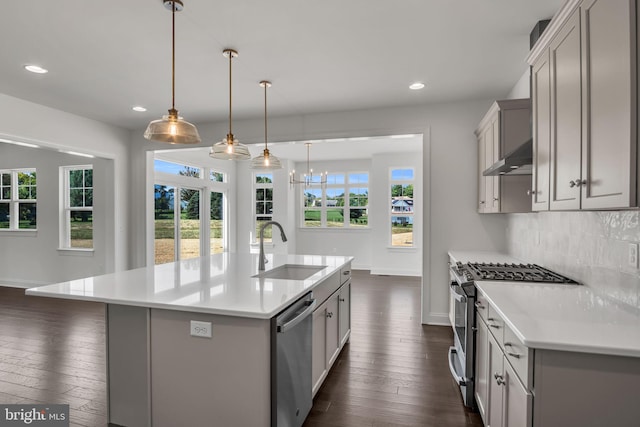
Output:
x=394 y=372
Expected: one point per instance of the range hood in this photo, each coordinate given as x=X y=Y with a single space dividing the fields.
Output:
x=516 y=162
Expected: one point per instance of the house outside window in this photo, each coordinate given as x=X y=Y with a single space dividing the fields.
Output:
x=331 y=207
x=77 y=212
x=18 y=199
x=263 y=202
x=402 y=209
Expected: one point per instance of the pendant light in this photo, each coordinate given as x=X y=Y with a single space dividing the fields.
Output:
x=229 y=148
x=266 y=160
x=172 y=128
x=307 y=179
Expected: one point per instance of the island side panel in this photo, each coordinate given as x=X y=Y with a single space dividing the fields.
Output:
x=129 y=396
x=223 y=380
x=586 y=390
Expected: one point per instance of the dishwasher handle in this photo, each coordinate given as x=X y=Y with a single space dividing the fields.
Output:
x=310 y=306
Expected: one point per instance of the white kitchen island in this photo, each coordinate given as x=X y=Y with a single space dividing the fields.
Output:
x=159 y=373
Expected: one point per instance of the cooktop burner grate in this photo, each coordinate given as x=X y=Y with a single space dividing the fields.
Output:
x=515 y=273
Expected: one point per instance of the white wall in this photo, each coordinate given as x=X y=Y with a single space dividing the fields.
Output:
x=449 y=180
x=522 y=88
x=29 y=258
x=29 y=122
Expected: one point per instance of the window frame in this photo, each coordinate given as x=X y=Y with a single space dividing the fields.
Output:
x=14 y=199
x=346 y=186
x=391 y=214
x=255 y=238
x=66 y=208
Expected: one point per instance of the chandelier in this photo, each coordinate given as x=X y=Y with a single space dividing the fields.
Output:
x=308 y=179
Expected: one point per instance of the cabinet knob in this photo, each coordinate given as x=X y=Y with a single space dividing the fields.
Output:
x=572 y=184
x=482 y=202
x=530 y=192
x=341 y=299
x=329 y=314
x=499 y=379
x=495 y=199
x=346 y=273
x=579 y=182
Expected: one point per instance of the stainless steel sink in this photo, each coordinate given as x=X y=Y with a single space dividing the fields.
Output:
x=291 y=272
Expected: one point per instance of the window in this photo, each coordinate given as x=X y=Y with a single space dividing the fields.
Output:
x=263 y=201
x=189 y=209
x=401 y=212
x=330 y=207
x=77 y=229
x=18 y=199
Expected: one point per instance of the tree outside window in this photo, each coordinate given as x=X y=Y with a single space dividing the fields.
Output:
x=78 y=207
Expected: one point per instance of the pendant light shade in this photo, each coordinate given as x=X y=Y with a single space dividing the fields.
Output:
x=266 y=160
x=229 y=148
x=172 y=128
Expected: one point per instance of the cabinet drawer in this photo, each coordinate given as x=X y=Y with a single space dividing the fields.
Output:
x=345 y=273
x=495 y=324
x=482 y=306
x=324 y=290
x=519 y=356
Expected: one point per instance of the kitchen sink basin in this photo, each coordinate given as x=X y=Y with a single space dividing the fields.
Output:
x=291 y=272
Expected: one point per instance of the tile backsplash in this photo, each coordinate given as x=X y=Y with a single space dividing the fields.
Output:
x=590 y=247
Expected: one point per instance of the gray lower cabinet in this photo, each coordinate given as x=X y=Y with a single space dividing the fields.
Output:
x=517 y=386
x=331 y=326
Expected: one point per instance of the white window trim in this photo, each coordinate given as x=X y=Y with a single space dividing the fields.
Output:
x=14 y=203
x=392 y=214
x=346 y=186
x=65 y=210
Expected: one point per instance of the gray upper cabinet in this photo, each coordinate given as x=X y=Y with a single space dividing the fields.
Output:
x=505 y=126
x=587 y=117
x=541 y=105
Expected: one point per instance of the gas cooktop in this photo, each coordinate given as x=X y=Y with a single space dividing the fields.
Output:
x=512 y=272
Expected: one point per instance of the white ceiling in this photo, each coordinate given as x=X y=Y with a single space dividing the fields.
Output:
x=332 y=55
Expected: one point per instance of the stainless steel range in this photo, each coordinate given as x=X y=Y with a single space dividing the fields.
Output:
x=463 y=292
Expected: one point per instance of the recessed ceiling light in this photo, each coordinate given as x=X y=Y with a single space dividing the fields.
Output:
x=35 y=69
x=139 y=108
x=416 y=86
x=410 y=135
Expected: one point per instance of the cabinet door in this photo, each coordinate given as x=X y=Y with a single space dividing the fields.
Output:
x=496 y=376
x=344 y=312
x=517 y=411
x=482 y=180
x=488 y=161
x=566 y=116
x=319 y=347
x=495 y=156
x=608 y=104
x=333 y=333
x=482 y=369
x=541 y=90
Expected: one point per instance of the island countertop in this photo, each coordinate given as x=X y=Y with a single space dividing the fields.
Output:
x=219 y=284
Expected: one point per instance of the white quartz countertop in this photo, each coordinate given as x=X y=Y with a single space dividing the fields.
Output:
x=482 y=256
x=220 y=284
x=565 y=317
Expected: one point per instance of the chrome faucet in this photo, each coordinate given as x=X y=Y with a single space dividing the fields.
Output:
x=263 y=258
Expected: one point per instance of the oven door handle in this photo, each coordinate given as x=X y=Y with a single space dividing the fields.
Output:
x=456 y=294
x=452 y=367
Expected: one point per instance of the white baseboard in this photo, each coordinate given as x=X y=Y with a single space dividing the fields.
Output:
x=17 y=283
x=441 y=319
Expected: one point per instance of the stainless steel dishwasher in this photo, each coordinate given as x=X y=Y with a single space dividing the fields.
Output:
x=291 y=386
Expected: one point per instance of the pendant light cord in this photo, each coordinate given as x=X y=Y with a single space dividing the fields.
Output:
x=173 y=55
x=230 y=115
x=265 y=115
